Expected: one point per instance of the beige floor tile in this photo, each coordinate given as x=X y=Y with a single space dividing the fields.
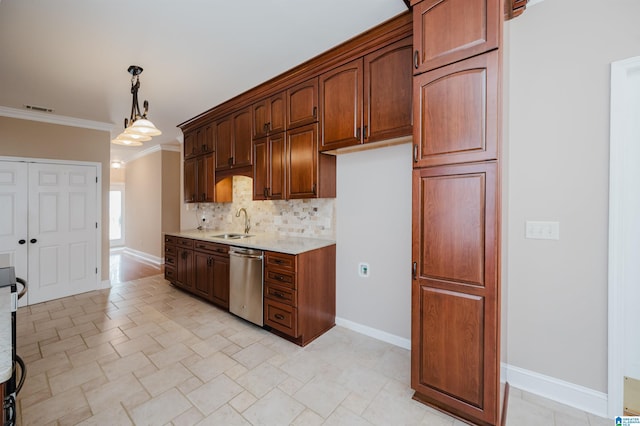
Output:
x=213 y=395
x=390 y=408
x=62 y=345
x=276 y=408
x=309 y=418
x=260 y=380
x=80 y=356
x=116 y=416
x=342 y=416
x=243 y=401
x=53 y=363
x=111 y=394
x=161 y=409
x=75 y=377
x=53 y=408
x=171 y=355
x=225 y=415
x=212 y=366
x=210 y=345
x=104 y=337
x=253 y=355
x=321 y=395
x=85 y=328
x=125 y=365
x=363 y=381
x=525 y=413
x=165 y=379
x=144 y=343
x=188 y=418
x=75 y=417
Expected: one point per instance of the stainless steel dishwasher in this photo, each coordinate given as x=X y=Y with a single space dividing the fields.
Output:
x=245 y=284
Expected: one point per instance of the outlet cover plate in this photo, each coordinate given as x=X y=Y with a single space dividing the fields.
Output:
x=542 y=230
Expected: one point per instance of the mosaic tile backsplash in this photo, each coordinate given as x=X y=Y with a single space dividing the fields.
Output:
x=302 y=218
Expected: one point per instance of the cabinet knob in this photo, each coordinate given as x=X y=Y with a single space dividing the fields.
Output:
x=278 y=294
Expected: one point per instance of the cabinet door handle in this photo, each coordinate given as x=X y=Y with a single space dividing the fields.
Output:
x=416 y=57
x=415 y=153
x=315 y=112
x=22 y=242
x=364 y=132
x=279 y=316
x=265 y=192
x=264 y=128
x=314 y=189
x=230 y=161
x=209 y=261
x=414 y=270
x=358 y=133
x=204 y=148
x=269 y=126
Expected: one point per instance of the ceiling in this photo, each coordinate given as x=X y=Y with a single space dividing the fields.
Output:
x=72 y=55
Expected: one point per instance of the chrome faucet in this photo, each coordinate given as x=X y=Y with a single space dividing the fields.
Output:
x=247 y=223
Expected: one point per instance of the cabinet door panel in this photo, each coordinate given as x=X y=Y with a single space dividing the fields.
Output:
x=190 y=180
x=190 y=140
x=341 y=106
x=302 y=154
x=277 y=113
x=203 y=282
x=206 y=179
x=277 y=166
x=260 y=169
x=302 y=103
x=223 y=139
x=242 y=143
x=260 y=118
x=455 y=289
x=220 y=292
x=456 y=112
x=387 y=92
x=446 y=31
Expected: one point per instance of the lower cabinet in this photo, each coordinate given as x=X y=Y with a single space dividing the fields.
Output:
x=300 y=293
x=200 y=267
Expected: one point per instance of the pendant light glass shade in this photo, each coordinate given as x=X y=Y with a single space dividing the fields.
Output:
x=142 y=127
x=130 y=140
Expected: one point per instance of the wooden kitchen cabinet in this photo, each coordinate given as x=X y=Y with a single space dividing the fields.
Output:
x=456 y=112
x=199 y=179
x=447 y=31
x=170 y=258
x=269 y=167
x=369 y=99
x=309 y=173
x=199 y=141
x=233 y=140
x=455 y=290
x=299 y=293
x=269 y=115
x=185 y=268
x=302 y=103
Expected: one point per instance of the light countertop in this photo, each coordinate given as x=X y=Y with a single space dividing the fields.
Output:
x=261 y=241
x=6 y=361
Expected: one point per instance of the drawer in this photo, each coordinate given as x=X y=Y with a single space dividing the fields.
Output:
x=170 y=239
x=280 y=260
x=279 y=277
x=170 y=249
x=211 y=247
x=185 y=242
x=169 y=274
x=280 y=293
x=170 y=260
x=281 y=317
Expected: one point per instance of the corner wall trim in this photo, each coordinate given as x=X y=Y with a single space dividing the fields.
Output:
x=567 y=393
x=146 y=257
x=375 y=333
x=55 y=119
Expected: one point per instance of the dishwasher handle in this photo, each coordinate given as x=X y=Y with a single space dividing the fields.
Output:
x=245 y=253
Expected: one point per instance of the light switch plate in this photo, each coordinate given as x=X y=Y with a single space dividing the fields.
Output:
x=363 y=269
x=542 y=230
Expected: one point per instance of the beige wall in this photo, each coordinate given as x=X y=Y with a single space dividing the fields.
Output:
x=117 y=175
x=151 y=200
x=32 y=139
x=558 y=156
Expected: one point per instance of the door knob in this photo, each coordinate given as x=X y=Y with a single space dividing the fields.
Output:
x=22 y=241
x=33 y=241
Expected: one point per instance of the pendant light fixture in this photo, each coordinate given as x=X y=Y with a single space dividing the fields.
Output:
x=137 y=128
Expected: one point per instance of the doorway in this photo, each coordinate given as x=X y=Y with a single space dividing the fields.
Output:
x=624 y=230
x=116 y=215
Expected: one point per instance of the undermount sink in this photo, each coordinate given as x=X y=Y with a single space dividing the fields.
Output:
x=232 y=236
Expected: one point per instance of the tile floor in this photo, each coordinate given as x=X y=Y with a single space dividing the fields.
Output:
x=145 y=353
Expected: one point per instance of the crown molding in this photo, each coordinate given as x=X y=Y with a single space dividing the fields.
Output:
x=55 y=119
x=152 y=149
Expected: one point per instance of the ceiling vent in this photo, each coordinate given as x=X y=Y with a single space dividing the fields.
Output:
x=38 y=108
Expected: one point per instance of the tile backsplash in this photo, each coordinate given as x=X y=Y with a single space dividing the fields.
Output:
x=308 y=218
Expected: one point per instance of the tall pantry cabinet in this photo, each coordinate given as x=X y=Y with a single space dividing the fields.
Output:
x=455 y=354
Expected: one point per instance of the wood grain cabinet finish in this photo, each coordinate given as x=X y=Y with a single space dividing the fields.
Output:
x=455 y=290
x=233 y=140
x=299 y=293
x=199 y=179
x=446 y=31
x=368 y=99
x=269 y=115
x=199 y=141
x=309 y=173
x=185 y=268
x=302 y=103
x=269 y=167
x=456 y=112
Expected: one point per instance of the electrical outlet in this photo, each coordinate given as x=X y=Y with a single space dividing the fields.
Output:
x=363 y=269
x=542 y=230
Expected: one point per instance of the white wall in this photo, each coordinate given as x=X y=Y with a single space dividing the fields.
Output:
x=558 y=154
x=373 y=221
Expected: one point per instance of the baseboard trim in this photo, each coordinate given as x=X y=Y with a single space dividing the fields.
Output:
x=146 y=257
x=375 y=333
x=104 y=284
x=567 y=393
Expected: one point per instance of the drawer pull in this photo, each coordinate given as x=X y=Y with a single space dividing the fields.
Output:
x=279 y=277
x=279 y=316
x=169 y=261
x=278 y=294
x=278 y=261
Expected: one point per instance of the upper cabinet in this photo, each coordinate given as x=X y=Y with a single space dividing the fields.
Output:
x=269 y=115
x=302 y=103
x=199 y=141
x=446 y=31
x=368 y=99
x=233 y=140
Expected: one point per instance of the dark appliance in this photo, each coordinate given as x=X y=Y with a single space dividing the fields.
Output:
x=13 y=385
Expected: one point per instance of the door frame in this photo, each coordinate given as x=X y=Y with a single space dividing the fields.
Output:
x=622 y=179
x=119 y=186
x=99 y=216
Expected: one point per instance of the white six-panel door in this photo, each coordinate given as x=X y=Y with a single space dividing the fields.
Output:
x=57 y=202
